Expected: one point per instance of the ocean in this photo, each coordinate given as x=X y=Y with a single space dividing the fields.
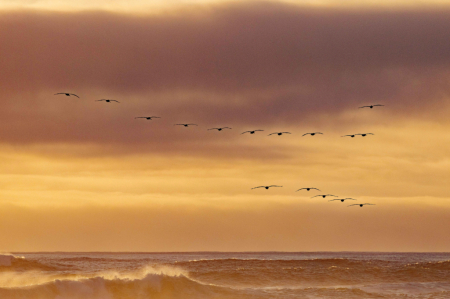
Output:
x=219 y=275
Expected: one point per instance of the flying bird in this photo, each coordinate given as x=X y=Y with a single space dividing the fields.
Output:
x=324 y=195
x=364 y=134
x=107 y=100
x=67 y=94
x=371 y=106
x=251 y=132
x=312 y=134
x=219 y=129
x=279 y=133
x=267 y=187
x=362 y=204
x=147 y=117
x=186 y=125
x=307 y=189
x=342 y=199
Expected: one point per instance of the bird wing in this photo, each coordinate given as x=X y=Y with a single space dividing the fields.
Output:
x=275 y=186
x=259 y=187
x=100 y=100
x=114 y=101
x=300 y=189
x=155 y=117
x=318 y=133
x=140 y=117
x=332 y=195
x=213 y=129
x=334 y=199
x=192 y=124
x=353 y=205
x=377 y=105
x=363 y=106
x=59 y=93
x=272 y=133
x=74 y=95
x=245 y=132
x=305 y=134
x=316 y=196
x=286 y=132
x=258 y=130
x=369 y=204
x=314 y=188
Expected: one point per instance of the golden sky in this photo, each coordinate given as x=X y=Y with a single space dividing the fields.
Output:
x=82 y=175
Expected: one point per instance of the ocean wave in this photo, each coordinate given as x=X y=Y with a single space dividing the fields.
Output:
x=163 y=286
x=10 y=262
x=313 y=272
x=148 y=282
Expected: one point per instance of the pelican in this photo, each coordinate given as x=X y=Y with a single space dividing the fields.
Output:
x=147 y=117
x=267 y=187
x=67 y=94
x=370 y=106
x=186 y=125
x=307 y=189
x=362 y=204
x=251 y=132
x=324 y=195
x=279 y=133
x=342 y=199
x=312 y=134
x=364 y=134
x=219 y=129
x=107 y=100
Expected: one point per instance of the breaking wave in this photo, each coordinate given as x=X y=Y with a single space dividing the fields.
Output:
x=10 y=262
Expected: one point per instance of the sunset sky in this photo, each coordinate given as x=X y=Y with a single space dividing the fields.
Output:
x=81 y=175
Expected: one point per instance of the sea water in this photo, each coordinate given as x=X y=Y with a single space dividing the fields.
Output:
x=218 y=275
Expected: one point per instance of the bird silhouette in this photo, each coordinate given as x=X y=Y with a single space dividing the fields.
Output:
x=353 y=135
x=67 y=94
x=267 y=187
x=107 y=100
x=251 y=132
x=307 y=189
x=219 y=129
x=147 y=117
x=186 y=125
x=312 y=134
x=364 y=134
x=324 y=195
x=362 y=204
x=279 y=133
x=370 y=106
x=342 y=199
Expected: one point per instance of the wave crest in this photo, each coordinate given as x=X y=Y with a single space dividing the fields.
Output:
x=10 y=262
x=148 y=282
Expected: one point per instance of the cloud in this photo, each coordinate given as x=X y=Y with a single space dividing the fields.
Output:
x=252 y=65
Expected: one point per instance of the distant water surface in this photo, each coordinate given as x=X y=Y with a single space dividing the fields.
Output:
x=200 y=275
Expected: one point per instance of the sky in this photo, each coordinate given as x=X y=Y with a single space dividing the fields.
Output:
x=77 y=174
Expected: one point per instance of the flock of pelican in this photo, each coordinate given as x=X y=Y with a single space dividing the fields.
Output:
x=253 y=132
